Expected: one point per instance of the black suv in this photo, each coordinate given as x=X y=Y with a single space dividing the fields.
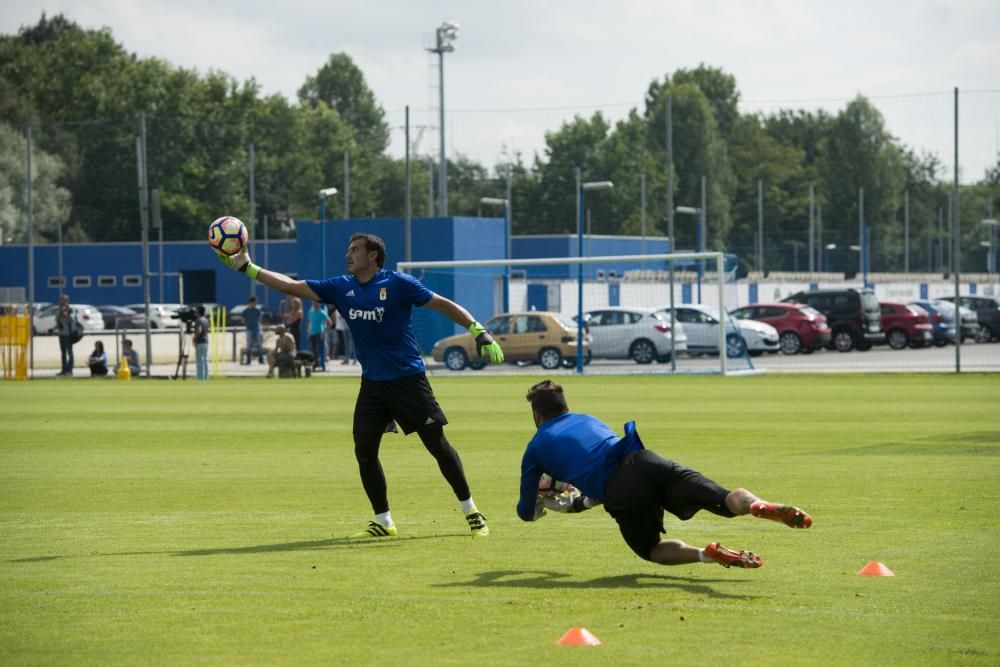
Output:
x=987 y=309
x=854 y=316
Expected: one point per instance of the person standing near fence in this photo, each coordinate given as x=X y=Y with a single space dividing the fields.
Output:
x=331 y=335
x=65 y=325
x=319 y=322
x=255 y=335
x=291 y=315
x=200 y=340
x=346 y=340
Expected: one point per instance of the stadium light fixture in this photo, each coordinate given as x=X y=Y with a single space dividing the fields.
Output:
x=699 y=245
x=323 y=194
x=826 y=255
x=581 y=190
x=497 y=201
x=445 y=37
x=991 y=256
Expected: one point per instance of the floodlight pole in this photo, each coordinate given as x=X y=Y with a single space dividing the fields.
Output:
x=495 y=201
x=581 y=190
x=697 y=213
x=445 y=35
x=323 y=194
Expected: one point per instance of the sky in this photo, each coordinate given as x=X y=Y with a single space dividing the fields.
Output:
x=522 y=67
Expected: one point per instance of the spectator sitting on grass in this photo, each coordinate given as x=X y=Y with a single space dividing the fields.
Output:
x=283 y=354
x=98 y=360
x=129 y=356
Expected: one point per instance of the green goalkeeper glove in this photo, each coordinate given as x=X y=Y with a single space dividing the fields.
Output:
x=240 y=262
x=485 y=345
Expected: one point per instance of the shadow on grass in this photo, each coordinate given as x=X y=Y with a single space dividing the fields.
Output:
x=972 y=443
x=310 y=545
x=561 y=580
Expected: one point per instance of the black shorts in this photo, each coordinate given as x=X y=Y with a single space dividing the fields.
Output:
x=409 y=401
x=644 y=485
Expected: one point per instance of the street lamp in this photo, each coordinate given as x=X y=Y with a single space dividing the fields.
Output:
x=861 y=262
x=991 y=256
x=496 y=201
x=445 y=36
x=698 y=242
x=582 y=190
x=323 y=194
x=826 y=256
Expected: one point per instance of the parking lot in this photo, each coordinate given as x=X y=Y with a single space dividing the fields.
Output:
x=975 y=357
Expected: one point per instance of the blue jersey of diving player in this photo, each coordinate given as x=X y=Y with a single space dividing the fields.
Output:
x=574 y=448
x=378 y=314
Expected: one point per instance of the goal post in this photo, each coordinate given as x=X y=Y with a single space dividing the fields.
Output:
x=675 y=287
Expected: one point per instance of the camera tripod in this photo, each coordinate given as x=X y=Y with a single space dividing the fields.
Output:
x=184 y=344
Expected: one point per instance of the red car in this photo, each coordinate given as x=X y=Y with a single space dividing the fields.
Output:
x=800 y=328
x=905 y=325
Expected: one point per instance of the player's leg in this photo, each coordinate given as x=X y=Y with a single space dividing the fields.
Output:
x=636 y=496
x=741 y=501
x=789 y=515
x=415 y=408
x=370 y=419
x=683 y=492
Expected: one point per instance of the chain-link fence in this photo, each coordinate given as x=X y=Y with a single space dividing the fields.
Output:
x=835 y=194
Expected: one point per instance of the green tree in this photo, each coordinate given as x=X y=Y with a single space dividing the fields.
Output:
x=699 y=151
x=341 y=86
x=780 y=168
x=50 y=202
x=551 y=208
x=860 y=153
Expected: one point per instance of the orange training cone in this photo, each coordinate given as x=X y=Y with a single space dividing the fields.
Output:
x=875 y=569
x=581 y=636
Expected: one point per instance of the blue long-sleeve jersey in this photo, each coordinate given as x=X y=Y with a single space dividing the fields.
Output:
x=575 y=448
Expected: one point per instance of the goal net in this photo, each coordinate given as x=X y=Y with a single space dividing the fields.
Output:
x=665 y=313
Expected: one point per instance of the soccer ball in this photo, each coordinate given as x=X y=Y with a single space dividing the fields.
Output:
x=227 y=235
x=551 y=487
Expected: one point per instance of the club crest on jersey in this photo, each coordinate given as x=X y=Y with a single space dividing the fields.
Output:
x=374 y=315
x=381 y=294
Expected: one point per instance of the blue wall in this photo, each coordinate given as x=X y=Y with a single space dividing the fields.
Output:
x=118 y=260
x=433 y=239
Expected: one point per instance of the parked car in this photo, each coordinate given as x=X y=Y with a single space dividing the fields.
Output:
x=969 y=319
x=906 y=325
x=45 y=321
x=268 y=316
x=38 y=307
x=639 y=334
x=160 y=314
x=800 y=327
x=987 y=309
x=942 y=320
x=536 y=336
x=702 y=327
x=120 y=317
x=854 y=316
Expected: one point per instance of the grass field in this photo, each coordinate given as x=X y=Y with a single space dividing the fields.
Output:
x=203 y=523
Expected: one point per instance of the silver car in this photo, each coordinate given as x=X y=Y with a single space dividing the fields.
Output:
x=44 y=321
x=702 y=326
x=160 y=314
x=639 y=334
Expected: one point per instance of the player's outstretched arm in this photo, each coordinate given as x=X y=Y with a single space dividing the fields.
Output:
x=241 y=262
x=485 y=345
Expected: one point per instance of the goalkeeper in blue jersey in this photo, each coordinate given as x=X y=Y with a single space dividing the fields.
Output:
x=376 y=304
x=635 y=484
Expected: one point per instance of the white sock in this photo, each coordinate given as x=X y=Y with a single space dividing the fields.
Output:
x=468 y=505
x=703 y=558
x=385 y=519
